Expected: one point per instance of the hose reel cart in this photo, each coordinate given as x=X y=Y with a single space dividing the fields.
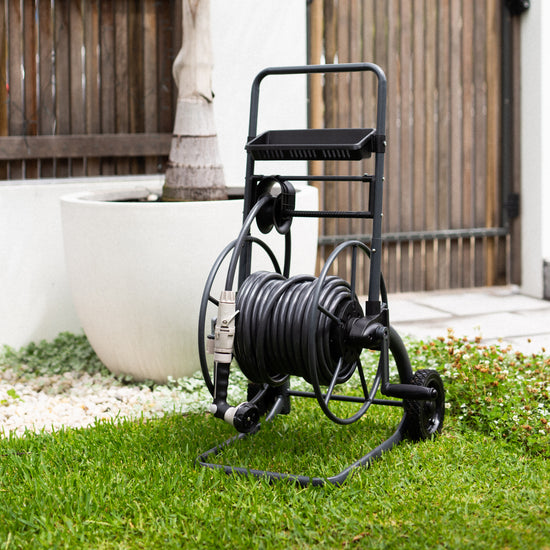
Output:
x=276 y=326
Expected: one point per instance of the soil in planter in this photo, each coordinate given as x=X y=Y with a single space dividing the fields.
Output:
x=233 y=193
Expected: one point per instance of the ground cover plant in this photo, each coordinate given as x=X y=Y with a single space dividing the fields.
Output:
x=68 y=352
x=484 y=483
x=494 y=389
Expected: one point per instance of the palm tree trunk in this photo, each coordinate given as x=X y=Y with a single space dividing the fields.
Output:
x=194 y=170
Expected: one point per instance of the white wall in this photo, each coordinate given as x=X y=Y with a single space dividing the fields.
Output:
x=248 y=35
x=535 y=145
x=35 y=299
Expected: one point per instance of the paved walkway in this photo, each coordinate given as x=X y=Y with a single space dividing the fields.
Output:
x=496 y=313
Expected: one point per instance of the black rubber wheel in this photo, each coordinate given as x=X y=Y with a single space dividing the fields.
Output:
x=425 y=418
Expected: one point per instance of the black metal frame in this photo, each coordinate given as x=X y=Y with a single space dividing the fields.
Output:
x=373 y=331
x=301 y=480
x=376 y=181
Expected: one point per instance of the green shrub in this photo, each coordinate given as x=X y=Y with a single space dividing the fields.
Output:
x=492 y=388
x=66 y=353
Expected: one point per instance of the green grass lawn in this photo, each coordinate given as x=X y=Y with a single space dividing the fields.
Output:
x=483 y=483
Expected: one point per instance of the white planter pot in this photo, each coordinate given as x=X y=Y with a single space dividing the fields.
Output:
x=137 y=272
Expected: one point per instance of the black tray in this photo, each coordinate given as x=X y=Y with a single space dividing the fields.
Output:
x=322 y=144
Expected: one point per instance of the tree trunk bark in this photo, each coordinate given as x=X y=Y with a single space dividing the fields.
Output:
x=194 y=171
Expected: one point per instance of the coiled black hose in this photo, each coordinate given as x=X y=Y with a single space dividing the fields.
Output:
x=272 y=329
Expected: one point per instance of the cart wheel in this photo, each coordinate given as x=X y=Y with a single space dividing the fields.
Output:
x=425 y=418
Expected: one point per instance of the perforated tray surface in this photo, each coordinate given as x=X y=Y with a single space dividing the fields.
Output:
x=316 y=144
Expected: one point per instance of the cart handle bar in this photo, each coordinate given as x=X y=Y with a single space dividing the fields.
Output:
x=310 y=69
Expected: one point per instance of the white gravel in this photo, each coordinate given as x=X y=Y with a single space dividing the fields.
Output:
x=80 y=400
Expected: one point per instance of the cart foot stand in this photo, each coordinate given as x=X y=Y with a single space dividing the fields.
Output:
x=301 y=480
x=276 y=326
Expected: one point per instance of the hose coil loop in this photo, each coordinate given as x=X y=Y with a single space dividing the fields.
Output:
x=272 y=329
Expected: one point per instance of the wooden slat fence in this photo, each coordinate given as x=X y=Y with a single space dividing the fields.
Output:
x=442 y=203
x=86 y=89
x=96 y=70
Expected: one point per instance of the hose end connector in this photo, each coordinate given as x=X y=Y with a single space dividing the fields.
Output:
x=224 y=333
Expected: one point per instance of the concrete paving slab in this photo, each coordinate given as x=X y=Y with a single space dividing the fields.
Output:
x=494 y=314
x=494 y=325
x=491 y=326
x=497 y=314
x=478 y=302
x=405 y=311
x=541 y=317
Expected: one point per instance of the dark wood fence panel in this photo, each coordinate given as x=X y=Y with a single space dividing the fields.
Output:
x=94 y=69
x=442 y=200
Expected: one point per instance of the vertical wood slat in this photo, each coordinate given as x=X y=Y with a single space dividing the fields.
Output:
x=91 y=45
x=135 y=75
x=468 y=144
x=76 y=68
x=177 y=30
x=368 y=29
x=356 y=108
x=30 y=91
x=46 y=112
x=62 y=80
x=455 y=173
x=121 y=77
x=406 y=159
x=480 y=130
x=15 y=80
x=443 y=130
x=493 y=129
x=150 y=77
x=107 y=84
x=167 y=22
x=392 y=193
x=515 y=251
x=3 y=82
x=3 y=70
x=430 y=143
x=329 y=96
x=14 y=66
x=418 y=167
